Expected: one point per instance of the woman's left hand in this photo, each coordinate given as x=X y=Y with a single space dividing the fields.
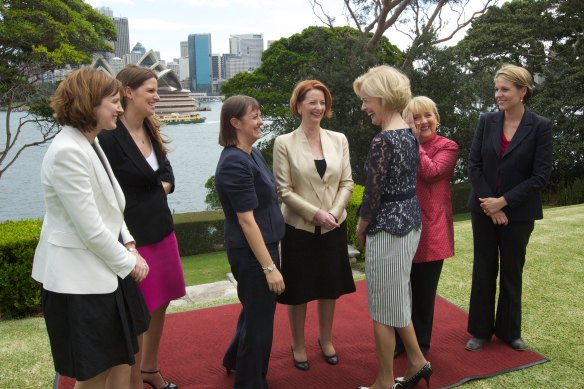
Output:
x=492 y=205
x=167 y=186
x=325 y=220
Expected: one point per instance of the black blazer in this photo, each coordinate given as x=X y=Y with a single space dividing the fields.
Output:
x=147 y=214
x=523 y=169
x=244 y=183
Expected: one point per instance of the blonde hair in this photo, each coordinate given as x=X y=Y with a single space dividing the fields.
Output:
x=386 y=83
x=421 y=104
x=519 y=76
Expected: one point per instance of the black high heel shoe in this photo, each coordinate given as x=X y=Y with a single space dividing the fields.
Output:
x=168 y=385
x=425 y=372
x=397 y=385
x=332 y=359
x=300 y=365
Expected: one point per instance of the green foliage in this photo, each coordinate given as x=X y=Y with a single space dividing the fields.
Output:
x=37 y=36
x=544 y=36
x=352 y=214
x=567 y=194
x=199 y=232
x=19 y=293
x=212 y=198
x=335 y=56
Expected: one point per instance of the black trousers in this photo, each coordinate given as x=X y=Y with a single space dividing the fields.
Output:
x=424 y=279
x=498 y=250
x=249 y=350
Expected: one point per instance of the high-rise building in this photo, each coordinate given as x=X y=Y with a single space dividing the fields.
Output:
x=234 y=64
x=217 y=61
x=184 y=49
x=122 y=44
x=200 y=67
x=249 y=47
x=107 y=11
x=184 y=68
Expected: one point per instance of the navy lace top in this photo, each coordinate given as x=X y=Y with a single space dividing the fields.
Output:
x=389 y=199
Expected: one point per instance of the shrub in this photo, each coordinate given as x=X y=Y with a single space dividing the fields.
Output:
x=19 y=293
x=199 y=232
x=352 y=215
x=567 y=194
x=460 y=194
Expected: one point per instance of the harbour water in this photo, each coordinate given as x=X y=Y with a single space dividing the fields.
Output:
x=194 y=155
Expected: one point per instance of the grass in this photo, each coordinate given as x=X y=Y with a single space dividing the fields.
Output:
x=205 y=268
x=553 y=307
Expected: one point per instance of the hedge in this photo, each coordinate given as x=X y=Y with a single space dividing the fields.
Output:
x=199 y=232
x=19 y=293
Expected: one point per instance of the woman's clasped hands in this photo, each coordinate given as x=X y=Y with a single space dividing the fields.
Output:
x=326 y=220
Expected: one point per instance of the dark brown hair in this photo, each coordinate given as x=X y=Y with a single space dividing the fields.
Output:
x=133 y=77
x=76 y=97
x=300 y=91
x=234 y=107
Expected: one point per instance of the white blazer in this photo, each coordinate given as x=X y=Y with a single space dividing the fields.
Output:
x=79 y=251
x=300 y=187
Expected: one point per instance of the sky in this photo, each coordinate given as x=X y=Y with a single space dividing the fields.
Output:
x=161 y=25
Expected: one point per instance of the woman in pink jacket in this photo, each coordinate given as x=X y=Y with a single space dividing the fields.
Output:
x=437 y=160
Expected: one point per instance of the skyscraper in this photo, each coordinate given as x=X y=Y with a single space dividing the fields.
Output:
x=249 y=47
x=184 y=49
x=122 y=44
x=200 y=67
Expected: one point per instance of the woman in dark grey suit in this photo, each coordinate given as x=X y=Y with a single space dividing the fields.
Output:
x=253 y=228
x=510 y=162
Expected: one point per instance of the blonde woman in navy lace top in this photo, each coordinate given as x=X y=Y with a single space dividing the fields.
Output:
x=390 y=223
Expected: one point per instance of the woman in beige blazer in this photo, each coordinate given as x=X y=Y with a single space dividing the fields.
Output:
x=86 y=259
x=313 y=173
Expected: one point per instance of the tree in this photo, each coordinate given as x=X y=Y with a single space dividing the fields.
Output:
x=424 y=21
x=546 y=37
x=37 y=36
x=335 y=56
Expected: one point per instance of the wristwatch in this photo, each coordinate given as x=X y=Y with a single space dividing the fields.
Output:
x=269 y=269
x=132 y=249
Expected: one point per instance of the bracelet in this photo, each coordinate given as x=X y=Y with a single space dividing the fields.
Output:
x=269 y=269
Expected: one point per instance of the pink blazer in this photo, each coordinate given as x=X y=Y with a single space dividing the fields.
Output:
x=437 y=160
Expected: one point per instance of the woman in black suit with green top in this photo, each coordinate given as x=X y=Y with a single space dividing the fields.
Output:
x=510 y=162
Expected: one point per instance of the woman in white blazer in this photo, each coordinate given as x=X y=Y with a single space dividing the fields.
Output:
x=86 y=260
x=313 y=173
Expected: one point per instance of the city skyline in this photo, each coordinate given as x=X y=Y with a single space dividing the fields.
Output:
x=162 y=26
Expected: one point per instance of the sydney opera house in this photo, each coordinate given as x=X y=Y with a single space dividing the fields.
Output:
x=173 y=99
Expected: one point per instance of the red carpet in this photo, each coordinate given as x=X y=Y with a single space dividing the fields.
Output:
x=194 y=342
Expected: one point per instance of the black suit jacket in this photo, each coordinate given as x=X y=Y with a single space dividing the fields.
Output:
x=523 y=169
x=147 y=213
x=244 y=183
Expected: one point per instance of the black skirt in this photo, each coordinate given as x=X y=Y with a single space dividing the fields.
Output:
x=315 y=266
x=90 y=333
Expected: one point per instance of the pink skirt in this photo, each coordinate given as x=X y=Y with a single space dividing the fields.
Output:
x=165 y=281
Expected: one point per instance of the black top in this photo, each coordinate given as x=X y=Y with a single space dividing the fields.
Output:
x=244 y=183
x=320 y=166
x=389 y=199
x=147 y=214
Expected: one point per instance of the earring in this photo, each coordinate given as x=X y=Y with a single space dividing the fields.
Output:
x=521 y=99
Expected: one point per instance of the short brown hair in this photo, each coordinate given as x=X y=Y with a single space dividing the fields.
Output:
x=234 y=107
x=76 y=97
x=300 y=91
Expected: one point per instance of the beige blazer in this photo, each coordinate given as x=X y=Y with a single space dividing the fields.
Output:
x=78 y=250
x=300 y=187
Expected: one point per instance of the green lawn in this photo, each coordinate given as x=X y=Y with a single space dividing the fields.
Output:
x=553 y=309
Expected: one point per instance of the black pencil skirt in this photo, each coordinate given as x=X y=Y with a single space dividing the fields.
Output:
x=90 y=333
x=315 y=266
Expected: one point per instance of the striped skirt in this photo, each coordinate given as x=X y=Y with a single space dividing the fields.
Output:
x=388 y=262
